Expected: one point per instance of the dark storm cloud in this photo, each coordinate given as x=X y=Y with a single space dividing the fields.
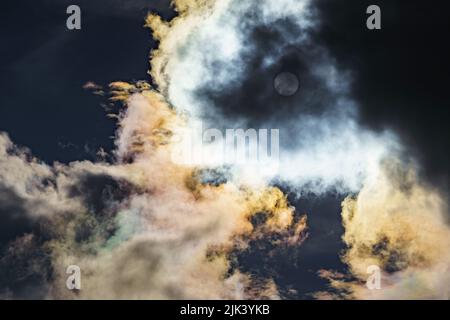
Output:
x=100 y=192
x=255 y=98
x=25 y=267
x=14 y=220
x=25 y=238
x=274 y=49
x=399 y=79
x=252 y=100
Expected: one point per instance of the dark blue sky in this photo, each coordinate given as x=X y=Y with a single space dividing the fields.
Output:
x=44 y=66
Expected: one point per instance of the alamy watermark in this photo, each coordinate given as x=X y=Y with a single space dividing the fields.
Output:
x=73 y=22
x=214 y=147
x=73 y=281
x=374 y=280
x=374 y=20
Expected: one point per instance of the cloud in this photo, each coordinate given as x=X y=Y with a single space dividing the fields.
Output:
x=217 y=63
x=227 y=80
x=145 y=227
x=398 y=224
x=388 y=96
x=141 y=228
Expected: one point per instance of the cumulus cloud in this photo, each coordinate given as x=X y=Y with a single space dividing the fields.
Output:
x=398 y=224
x=141 y=228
